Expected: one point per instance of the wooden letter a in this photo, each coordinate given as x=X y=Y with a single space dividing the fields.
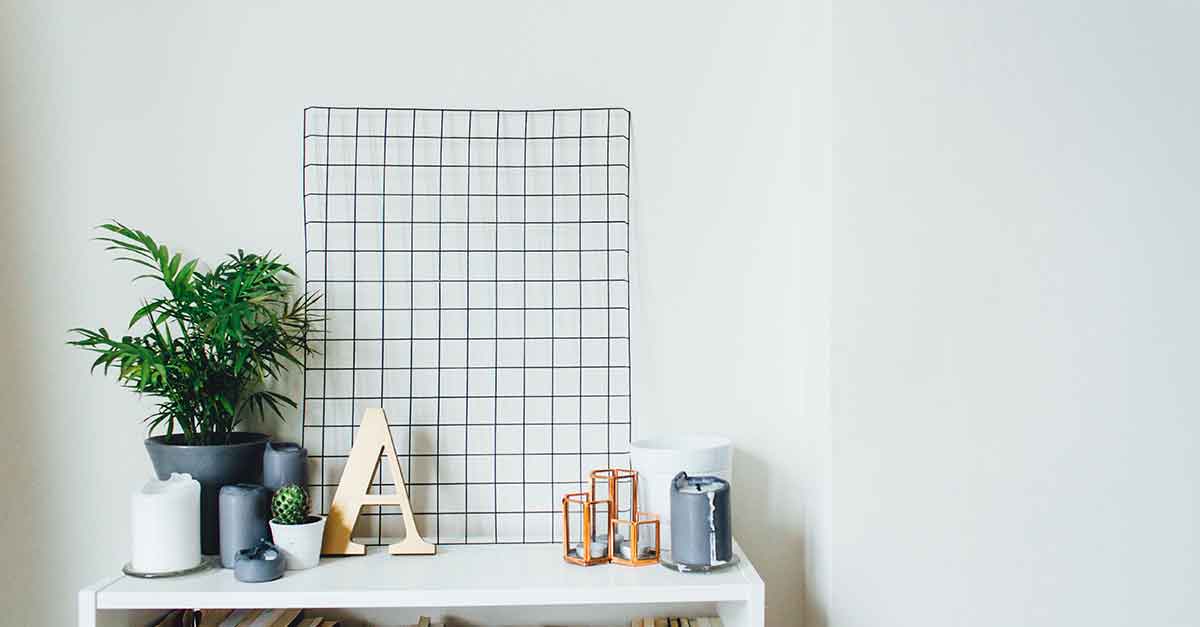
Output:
x=373 y=439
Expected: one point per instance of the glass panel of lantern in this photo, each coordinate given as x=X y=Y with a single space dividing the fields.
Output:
x=618 y=485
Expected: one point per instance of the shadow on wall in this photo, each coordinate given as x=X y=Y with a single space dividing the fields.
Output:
x=18 y=447
x=777 y=550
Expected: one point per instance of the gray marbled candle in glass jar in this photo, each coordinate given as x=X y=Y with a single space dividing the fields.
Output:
x=701 y=522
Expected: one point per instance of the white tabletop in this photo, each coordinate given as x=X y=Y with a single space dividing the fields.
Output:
x=457 y=576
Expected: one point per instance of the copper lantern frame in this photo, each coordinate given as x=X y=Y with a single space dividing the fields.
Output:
x=588 y=506
x=615 y=480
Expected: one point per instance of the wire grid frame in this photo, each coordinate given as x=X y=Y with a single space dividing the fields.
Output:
x=475 y=271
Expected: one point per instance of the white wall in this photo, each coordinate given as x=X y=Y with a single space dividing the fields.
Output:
x=1015 y=337
x=1006 y=328
x=184 y=119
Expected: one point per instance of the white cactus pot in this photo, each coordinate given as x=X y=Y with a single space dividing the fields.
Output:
x=300 y=544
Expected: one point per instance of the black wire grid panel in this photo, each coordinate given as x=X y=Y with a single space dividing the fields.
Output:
x=475 y=272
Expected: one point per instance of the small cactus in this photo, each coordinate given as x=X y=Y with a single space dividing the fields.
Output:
x=290 y=505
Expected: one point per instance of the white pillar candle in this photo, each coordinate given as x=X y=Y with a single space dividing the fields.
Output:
x=165 y=524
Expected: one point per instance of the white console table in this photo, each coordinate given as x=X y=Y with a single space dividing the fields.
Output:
x=473 y=585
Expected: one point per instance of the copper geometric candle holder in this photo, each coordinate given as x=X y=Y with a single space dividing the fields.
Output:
x=637 y=549
x=609 y=516
x=591 y=548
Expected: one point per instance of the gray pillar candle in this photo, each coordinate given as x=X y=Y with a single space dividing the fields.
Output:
x=701 y=534
x=284 y=463
x=244 y=510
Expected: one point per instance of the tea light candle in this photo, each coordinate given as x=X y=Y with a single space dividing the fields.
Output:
x=165 y=525
x=599 y=547
x=645 y=544
x=700 y=521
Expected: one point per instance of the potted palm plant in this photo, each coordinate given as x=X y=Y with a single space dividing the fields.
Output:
x=207 y=350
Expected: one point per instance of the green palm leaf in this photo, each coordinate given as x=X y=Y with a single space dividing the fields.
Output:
x=209 y=350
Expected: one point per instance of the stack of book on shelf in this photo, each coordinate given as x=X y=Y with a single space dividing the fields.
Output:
x=306 y=618
x=256 y=618
x=677 y=621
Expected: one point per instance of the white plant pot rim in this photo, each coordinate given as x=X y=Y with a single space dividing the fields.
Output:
x=670 y=454
x=316 y=520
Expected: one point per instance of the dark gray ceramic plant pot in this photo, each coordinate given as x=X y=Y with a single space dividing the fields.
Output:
x=213 y=465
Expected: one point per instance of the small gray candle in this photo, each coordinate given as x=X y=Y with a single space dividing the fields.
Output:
x=599 y=547
x=244 y=510
x=644 y=551
x=261 y=562
x=701 y=534
x=645 y=544
x=284 y=463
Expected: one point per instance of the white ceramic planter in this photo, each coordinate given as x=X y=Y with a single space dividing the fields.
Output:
x=658 y=460
x=300 y=544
